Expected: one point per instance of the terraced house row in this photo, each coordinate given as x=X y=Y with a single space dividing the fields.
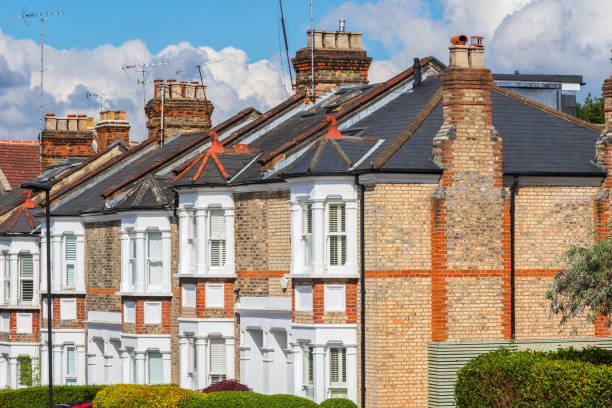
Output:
x=241 y=251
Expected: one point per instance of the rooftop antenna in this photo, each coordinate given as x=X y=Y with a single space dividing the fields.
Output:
x=100 y=96
x=142 y=69
x=199 y=67
x=312 y=40
x=25 y=15
x=280 y=2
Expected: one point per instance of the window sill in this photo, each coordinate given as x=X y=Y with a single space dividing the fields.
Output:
x=214 y=274
x=54 y=292
x=19 y=306
x=145 y=294
x=324 y=275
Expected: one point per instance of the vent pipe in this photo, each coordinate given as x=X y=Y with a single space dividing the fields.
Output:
x=416 y=69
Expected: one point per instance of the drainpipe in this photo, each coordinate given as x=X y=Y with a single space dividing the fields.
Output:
x=362 y=286
x=513 y=189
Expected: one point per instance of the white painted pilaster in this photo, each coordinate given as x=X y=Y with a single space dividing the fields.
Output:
x=36 y=293
x=351 y=236
x=126 y=366
x=166 y=364
x=319 y=373
x=44 y=364
x=318 y=231
x=229 y=239
x=140 y=367
x=184 y=381
x=297 y=253
x=57 y=274
x=58 y=364
x=13 y=372
x=14 y=278
x=140 y=262
x=351 y=372
x=184 y=255
x=80 y=263
x=166 y=250
x=229 y=358
x=202 y=350
x=126 y=284
x=202 y=226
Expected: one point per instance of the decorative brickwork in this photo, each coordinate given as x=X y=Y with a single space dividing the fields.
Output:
x=185 y=109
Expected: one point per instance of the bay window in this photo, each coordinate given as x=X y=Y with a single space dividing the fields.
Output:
x=307 y=233
x=7 y=278
x=132 y=260
x=154 y=259
x=192 y=238
x=70 y=261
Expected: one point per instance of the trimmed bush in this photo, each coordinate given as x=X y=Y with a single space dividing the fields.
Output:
x=225 y=385
x=566 y=378
x=288 y=401
x=38 y=397
x=338 y=403
x=231 y=399
x=141 y=396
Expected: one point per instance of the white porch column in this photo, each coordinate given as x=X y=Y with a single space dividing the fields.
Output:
x=297 y=255
x=202 y=351
x=107 y=358
x=268 y=358
x=58 y=377
x=140 y=262
x=319 y=373
x=80 y=265
x=202 y=226
x=245 y=350
x=126 y=378
x=184 y=363
x=229 y=240
x=80 y=360
x=351 y=236
x=56 y=262
x=183 y=230
x=290 y=372
x=166 y=360
x=318 y=232
x=298 y=369
x=166 y=251
x=13 y=372
x=13 y=259
x=140 y=367
x=3 y=372
x=36 y=266
x=44 y=364
x=35 y=368
x=229 y=358
x=351 y=372
x=125 y=262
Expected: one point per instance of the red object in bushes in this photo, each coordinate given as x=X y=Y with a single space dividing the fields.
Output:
x=225 y=385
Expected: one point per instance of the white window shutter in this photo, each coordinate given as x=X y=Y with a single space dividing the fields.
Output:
x=155 y=258
x=129 y=311
x=334 y=365
x=337 y=234
x=217 y=238
x=24 y=323
x=152 y=313
x=27 y=277
x=68 y=309
x=70 y=275
x=70 y=248
x=215 y=295
x=217 y=358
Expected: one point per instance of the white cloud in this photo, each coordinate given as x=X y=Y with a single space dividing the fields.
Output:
x=233 y=83
x=534 y=36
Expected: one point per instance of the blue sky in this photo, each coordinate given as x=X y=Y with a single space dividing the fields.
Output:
x=88 y=44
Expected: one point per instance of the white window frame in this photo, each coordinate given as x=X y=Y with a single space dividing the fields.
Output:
x=24 y=323
x=193 y=361
x=70 y=378
x=307 y=237
x=148 y=310
x=150 y=259
x=330 y=235
x=189 y=295
x=23 y=279
x=129 y=311
x=222 y=238
x=6 y=284
x=303 y=298
x=132 y=260
x=68 y=314
x=192 y=239
x=334 y=298
x=133 y=368
x=308 y=376
x=212 y=298
x=342 y=384
x=68 y=262
x=213 y=375
x=148 y=366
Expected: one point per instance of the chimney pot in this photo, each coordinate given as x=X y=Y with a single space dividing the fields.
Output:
x=477 y=41
x=50 y=122
x=82 y=122
x=122 y=115
x=110 y=115
x=90 y=122
x=72 y=115
x=50 y=114
x=62 y=124
x=460 y=39
x=341 y=24
x=72 y=123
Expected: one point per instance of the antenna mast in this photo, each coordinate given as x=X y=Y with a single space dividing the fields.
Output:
x=312 y=40
x=43 y=16
x=142 y=69
x=280 y=2
x=100 y=97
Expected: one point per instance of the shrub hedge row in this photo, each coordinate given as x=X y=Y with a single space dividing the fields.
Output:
x=141 y=396
x=244 y=399
x=38 y=397
x=559 y=379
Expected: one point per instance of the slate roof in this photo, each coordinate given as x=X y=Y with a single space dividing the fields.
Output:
x=211 y=174
x=19 y=161
x=571 y=79
x=149 y=193
x=21 y=221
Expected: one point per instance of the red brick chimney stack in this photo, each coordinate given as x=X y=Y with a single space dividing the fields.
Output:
x=66 y=137
x=185 y=108
x=604 y=143
x=113 y=126
x=339 y=58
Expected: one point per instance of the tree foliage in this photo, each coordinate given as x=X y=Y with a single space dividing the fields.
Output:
x=584 y=286
x=591 y=110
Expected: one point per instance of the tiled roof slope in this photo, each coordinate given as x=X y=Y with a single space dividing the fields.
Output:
x=19 y=161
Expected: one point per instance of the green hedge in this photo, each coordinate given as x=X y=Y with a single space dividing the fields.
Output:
x=244 y=399
x=141 y=396
x=38 y=397
x=338 y=403
x=565 y=378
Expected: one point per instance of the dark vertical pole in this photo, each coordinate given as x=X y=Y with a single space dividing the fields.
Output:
x=49 y=301
x=362 y=287
x=512 y=271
